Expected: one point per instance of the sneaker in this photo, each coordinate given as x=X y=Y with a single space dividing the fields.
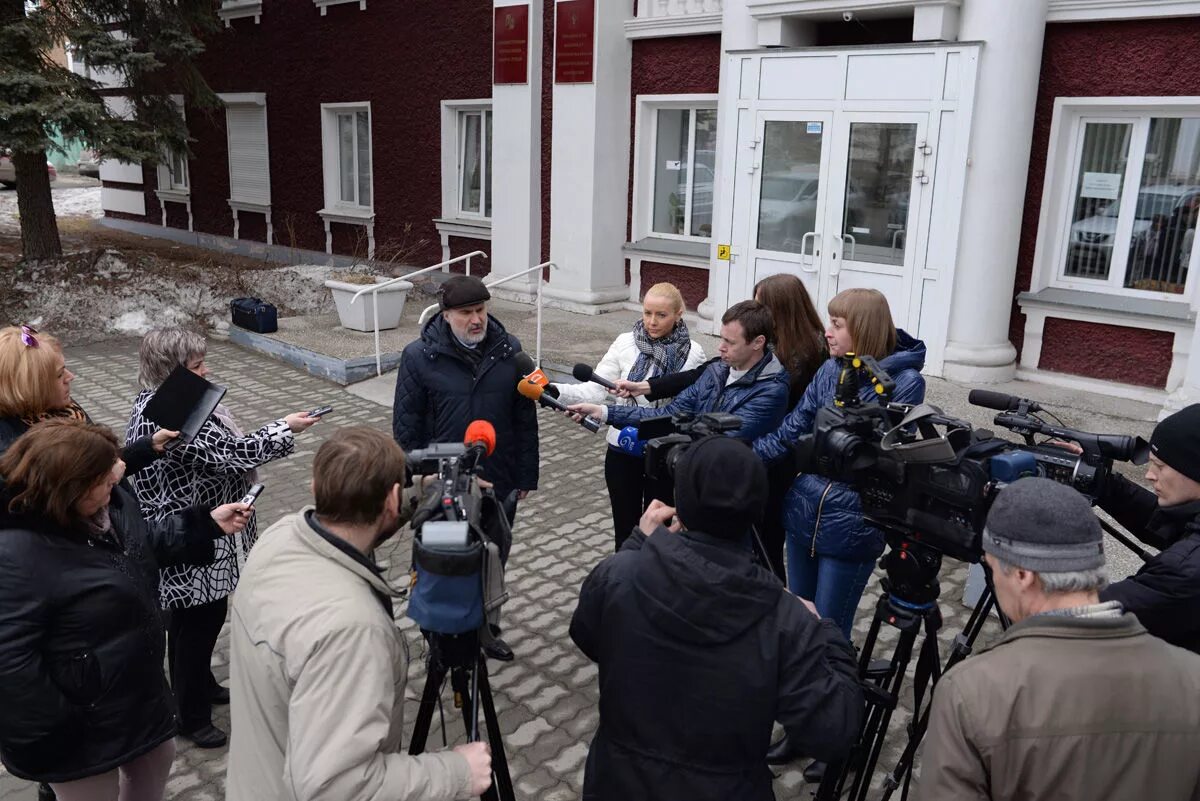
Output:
x=206 y=737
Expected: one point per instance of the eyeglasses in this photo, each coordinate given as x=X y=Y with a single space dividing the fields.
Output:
x=27 y=336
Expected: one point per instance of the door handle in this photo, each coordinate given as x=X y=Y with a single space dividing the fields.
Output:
x=804 y=264
x=841 y=238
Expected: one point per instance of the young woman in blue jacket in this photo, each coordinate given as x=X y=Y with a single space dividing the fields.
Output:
x=831 y=550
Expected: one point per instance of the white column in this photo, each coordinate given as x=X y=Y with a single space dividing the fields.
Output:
x=1188 y=392
x=517 y=165
x=589 y=173
x=978 y=349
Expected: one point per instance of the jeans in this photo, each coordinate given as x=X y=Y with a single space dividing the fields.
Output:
x=834 y=585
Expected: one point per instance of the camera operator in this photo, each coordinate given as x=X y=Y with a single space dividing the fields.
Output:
x=1076 y=699
x=700 y=649
x=1165 y=593
x=317 y=664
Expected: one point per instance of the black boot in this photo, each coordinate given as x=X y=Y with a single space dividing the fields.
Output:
x=206 y=737
x=46 y=792
x=782 y=752
x=814 y=772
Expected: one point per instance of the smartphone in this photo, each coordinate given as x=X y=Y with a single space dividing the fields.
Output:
x=250 y=497
x=320 y=411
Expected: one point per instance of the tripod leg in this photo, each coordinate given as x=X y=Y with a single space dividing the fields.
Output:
x=429 y=700
x=502 y=778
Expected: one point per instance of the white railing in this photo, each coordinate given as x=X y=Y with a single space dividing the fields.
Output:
x=431 y=310
x=374 y=292
x=677 y=8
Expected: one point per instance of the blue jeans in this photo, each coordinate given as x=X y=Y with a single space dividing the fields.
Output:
x=835 y=586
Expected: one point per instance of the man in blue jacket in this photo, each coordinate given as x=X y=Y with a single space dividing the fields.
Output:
x=748 y=382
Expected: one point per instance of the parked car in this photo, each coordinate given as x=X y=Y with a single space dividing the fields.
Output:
x=89 y=164
x=1092 y=237
x=8 y=173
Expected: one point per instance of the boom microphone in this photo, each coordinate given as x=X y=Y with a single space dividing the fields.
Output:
x=1000 y=401
x=536 y=392
x=584 y=373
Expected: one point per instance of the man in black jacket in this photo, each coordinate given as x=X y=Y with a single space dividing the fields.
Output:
x=1165 y=593
x=462 y=369
x=700 y=649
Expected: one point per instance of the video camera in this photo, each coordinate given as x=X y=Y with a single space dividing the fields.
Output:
x=929 y=478
x=668 y=437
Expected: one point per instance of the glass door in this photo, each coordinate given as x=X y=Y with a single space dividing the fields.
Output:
x=787 y=207
x=881 y=166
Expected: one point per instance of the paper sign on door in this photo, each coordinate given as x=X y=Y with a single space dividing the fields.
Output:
x=813 y=128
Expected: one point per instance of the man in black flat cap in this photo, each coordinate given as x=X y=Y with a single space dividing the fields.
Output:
x=462 y=369
x=1165 y=593
x=700 y=649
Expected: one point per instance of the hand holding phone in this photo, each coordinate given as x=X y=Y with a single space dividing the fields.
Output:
x=320 y=411
x=250 y=497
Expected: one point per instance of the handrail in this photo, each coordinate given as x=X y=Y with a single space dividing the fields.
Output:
x=428 y=312
x=374 y=290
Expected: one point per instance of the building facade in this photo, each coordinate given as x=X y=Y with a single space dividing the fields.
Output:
x=1021 y=178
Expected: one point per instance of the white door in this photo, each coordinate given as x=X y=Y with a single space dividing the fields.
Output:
x=878 y=211
x=788 y=162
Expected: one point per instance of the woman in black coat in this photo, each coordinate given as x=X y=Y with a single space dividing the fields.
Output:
x=83 y=701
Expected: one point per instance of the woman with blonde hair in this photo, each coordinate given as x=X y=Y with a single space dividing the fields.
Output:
x=658 y=345
x=831 y=550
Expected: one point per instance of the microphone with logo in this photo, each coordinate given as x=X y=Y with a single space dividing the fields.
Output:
x=536 y=392
x=533 y=374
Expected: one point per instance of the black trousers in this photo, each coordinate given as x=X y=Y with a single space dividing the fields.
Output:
x=630 y=492
x=780 y=476
x=191 y=637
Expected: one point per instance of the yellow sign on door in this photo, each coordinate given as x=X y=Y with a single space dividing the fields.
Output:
x=723 y=252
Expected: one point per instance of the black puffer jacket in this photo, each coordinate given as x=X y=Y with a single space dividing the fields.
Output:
x=81 y=639
x=439 y=392
x=136 y=455
x=1165 y=592
x=699 y=651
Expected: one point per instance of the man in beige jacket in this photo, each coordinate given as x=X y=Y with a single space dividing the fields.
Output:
x=1076 y=700
x=317 y=664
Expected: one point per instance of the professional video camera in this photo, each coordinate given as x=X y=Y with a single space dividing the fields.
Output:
x=668 y=436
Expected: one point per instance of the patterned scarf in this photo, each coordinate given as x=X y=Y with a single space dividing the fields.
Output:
x=72 y=411
x=667 y=353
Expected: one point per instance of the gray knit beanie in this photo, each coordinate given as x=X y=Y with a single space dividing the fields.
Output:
x=1044 y=526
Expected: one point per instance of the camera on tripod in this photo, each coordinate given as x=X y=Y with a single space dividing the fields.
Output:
x=668 y=437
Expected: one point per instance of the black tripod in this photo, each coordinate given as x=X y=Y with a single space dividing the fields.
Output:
x=908 y=604
x=461 y=657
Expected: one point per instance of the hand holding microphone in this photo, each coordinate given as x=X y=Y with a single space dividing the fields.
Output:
x=536 y=392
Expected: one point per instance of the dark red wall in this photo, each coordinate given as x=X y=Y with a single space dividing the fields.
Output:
x=1108 y=352
x=1101 y=59
x=692 y=282
x=461 y=246
x=404 y=58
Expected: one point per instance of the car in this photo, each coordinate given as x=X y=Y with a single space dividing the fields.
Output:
x=1090 y=247
x=8 y=173
x=89 y=164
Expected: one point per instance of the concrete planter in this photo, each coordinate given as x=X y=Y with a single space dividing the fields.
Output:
x=360 y=316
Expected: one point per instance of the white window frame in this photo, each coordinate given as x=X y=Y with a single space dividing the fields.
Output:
x=1061 y=179
x=325 y=4
x=453 y=144
x=645 y=142
x=330 y=150
x=240 y=204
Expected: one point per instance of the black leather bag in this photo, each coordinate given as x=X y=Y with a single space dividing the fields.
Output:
x=254 y=314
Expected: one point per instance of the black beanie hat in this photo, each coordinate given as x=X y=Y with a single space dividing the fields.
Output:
x=720 y=487
x=1176 y=441
x=463 y=290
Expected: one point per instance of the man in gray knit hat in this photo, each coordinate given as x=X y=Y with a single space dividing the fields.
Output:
x=1076 y=699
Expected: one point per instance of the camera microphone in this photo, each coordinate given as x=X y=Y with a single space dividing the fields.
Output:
x=536 y=392
x=1000 y=401
x=584 y=373
x=480 y=439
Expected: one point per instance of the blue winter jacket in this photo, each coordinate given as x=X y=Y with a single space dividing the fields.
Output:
x=759 y=398
x=823 y=515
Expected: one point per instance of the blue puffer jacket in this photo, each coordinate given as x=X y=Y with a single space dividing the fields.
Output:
x=438 y=392
x=829 y=511
x=759 y=398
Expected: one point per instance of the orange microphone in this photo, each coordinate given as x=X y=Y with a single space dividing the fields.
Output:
x=480 y=439
x=536 y=392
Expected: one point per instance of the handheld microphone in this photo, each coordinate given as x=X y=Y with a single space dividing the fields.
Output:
x=584 y=373
x=629 y=442
x=537 y=393
x=480 y=439
x=532 y=373
x=1000 y=401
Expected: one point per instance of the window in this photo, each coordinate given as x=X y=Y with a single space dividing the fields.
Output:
x=177 y=171
x=675 y=157
x=1133 y=195
x=474 y=163
x=346 y=143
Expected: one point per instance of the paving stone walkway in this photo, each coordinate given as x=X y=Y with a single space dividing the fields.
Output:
x=547 y=698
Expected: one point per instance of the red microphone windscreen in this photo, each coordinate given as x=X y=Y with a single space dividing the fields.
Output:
x=530 y=390
x=481 y=431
